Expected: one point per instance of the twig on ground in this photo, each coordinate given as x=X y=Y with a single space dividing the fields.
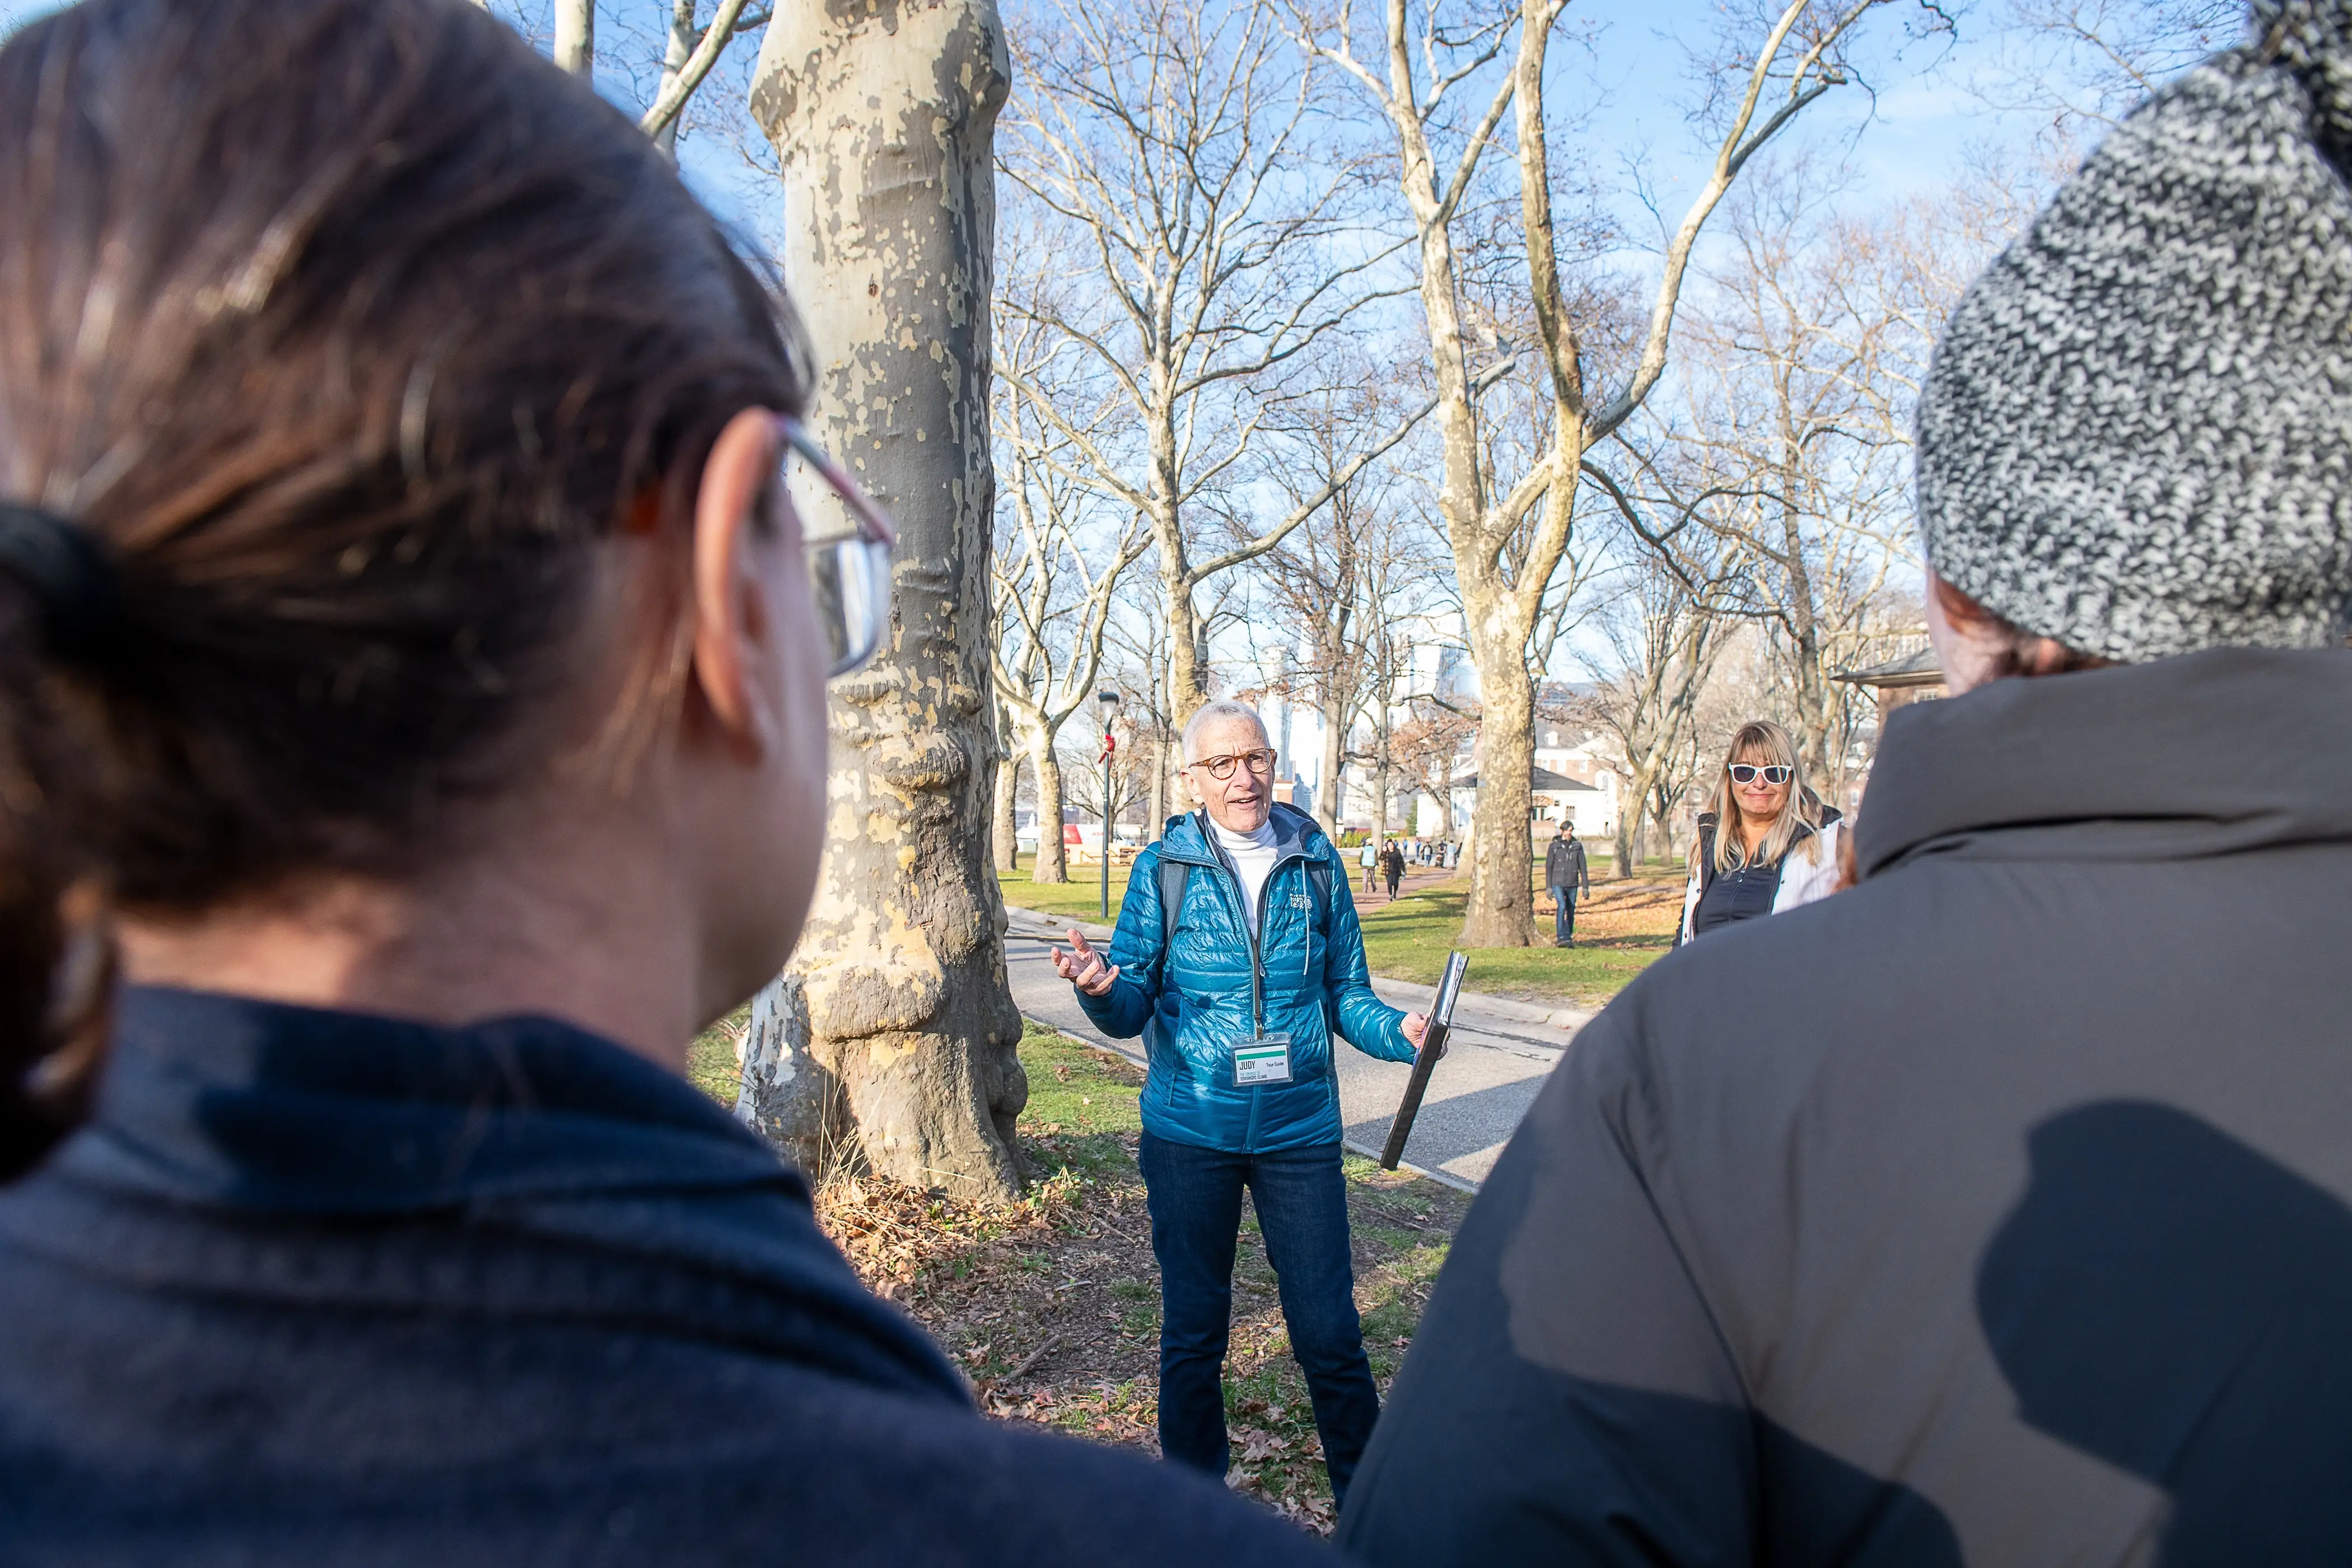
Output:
x=1030 y=1360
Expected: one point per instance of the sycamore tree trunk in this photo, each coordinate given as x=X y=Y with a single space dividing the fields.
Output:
x=1327 y=775
x=1157 y=750
x=1501 y=906
x=883 y=115
x=1628 y=829
x=683 y=35
x=1053 y=862
x=576 y=36
x=1188 y=676
x=1006 y=834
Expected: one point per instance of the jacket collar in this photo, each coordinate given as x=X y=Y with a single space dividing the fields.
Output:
x=520 y=1168
x=2209 y=754
x=1186 y=838
x=224 y=1100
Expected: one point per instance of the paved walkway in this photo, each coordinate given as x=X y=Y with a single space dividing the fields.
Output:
x=1499 y=1056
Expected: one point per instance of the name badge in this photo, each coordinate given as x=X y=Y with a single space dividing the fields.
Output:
x=1265 y=1060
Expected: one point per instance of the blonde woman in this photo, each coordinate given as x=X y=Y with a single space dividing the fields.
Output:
x=1766 y=843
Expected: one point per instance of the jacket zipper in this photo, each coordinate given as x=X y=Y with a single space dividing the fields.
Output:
x=1257 y=931
x=1258 y=950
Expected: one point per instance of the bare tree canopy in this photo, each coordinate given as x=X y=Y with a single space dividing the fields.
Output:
x=1508 y=534
x=683 y=53
x=1169 y=151
x=1057 y=567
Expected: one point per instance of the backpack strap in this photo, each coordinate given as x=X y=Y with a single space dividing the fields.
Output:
x=1174 y=876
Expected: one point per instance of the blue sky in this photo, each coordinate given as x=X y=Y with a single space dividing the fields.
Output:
x=1905 y=138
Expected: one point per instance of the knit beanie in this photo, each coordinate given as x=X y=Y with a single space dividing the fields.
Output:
x=2137 y=434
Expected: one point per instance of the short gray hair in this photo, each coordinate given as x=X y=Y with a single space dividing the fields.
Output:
x=1209 y=713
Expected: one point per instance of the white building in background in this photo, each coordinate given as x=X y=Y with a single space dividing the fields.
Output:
x=1573 y=776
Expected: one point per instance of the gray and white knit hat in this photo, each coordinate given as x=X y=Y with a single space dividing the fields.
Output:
x=2137 y=435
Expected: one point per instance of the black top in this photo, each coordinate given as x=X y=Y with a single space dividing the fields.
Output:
x=1733 y=896
x=1998 y=1210
x=317 y=1288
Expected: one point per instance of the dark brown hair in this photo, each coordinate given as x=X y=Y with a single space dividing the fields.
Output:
x=2017 y=652
x=349 y=329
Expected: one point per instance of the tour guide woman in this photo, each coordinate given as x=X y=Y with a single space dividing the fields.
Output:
x=1237 y=954
x=1781 y=848
x=404 y=627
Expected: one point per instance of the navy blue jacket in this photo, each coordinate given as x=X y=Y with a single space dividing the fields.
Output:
x=321 y=1288
x=1304 y=975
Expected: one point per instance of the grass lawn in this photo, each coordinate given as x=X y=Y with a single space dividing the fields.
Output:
x=1051 y=1304
x=1080 y=898
x=1620 y=931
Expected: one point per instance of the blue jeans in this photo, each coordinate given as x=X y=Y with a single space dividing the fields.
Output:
x=1196 y=1198
x=1563 y=917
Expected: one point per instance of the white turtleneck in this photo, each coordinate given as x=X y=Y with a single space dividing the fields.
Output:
x=1252 y=857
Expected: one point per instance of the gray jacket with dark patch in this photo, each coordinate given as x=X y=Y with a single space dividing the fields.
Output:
x=1996 y=1211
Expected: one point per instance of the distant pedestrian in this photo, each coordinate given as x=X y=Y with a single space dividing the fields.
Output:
x=1368 y=858
x=1766 y=843
x=1392 y=867
x=1566 y=875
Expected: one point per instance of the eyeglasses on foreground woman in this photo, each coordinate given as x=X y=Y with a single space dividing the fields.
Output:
x=848 y=567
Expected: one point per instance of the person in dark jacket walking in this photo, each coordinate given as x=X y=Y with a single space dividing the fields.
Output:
x=1392 y=867
x=1237 y=958
x=402 y=614
x=1566 y=875
x=1999 y=1209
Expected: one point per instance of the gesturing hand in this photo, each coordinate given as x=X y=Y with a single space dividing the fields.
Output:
x=1083 y=967
x=1416 y=1027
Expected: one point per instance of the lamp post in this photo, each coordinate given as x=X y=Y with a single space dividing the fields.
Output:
x=1108 y=702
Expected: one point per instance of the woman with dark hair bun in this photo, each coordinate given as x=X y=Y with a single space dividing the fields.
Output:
x=412 y=680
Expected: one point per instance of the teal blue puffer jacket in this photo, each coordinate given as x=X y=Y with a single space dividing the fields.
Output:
x=1194 y=1001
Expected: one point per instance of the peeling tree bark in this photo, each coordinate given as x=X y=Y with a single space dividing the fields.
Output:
x=1006 y=820
x=1053 y=861
x=576 y=36
x=1329 y=791
x=883 y=116
x=683 y=35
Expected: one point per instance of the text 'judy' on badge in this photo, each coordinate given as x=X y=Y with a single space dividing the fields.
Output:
x=1265 y=1060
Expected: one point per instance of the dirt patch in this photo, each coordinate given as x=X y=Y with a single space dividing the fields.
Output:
x=1645 y=906
x=1051 y=1304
